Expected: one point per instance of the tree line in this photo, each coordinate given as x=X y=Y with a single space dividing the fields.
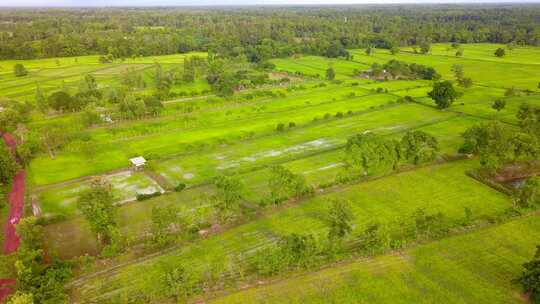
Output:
x=258 y=33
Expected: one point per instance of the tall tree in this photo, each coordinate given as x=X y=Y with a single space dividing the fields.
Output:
x=443 y=94
x=97 y=206
x=8 y=166
x=340 y=217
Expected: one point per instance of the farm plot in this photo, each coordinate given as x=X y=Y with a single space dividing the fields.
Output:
x=484 y=51
x=318 y=168
x=111 y=155
x=477 y=267
x=316 y=66
x=72 y=237
x=484 y=72
x=319 y=136
x=62 y=199
x=445 y=188
x=54 y=73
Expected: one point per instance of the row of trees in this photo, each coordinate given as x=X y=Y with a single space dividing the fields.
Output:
x=257 y=33
x=499 y=144
x=402 y=70
x=368 y=153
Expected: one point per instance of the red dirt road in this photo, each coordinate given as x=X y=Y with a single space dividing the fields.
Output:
x=16 y=206
x=6 y=288
x=16 y=202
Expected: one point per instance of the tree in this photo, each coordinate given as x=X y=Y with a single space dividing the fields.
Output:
x=21 y=298
x=8 y=166
x=369 y=51
x=530 y=278
x=394 y=50
x=529 y=119
x=500 y=52
x=19 y=70
x=97 y=206
x=369 y=153
x=465 y=82
x=498 y=104
x=41 y=101
x=340 y=218
x=458 y=71
x=132 y=107
x=459 y=53
x=153 y=105
x=330 y=73
x=425 y=47
x=284 y=184
x=229 y=192
x=443 y=94
x=528 y=194
x=61 y=101
x=167 y=222
x=497 y=144
x=419 y=147
x=225 y=84
x=44 y=281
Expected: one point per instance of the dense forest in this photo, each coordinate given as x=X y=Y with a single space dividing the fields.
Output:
x=259 y=33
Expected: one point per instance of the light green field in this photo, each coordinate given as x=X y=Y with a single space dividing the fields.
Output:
x=163 y=138
x=53 y=73
x=316 y=66
x=485 y=70
x=477 y=267
x=444 y=188
x=484 y=51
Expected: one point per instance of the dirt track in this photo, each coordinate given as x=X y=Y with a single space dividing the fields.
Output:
x=16 y=207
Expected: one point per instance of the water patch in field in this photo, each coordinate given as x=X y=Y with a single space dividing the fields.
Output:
x=175 y=169
x=299 y=148
x=383 y=129
x=323 y=168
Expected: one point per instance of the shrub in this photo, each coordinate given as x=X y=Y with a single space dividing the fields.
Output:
x=180 y=187
x=146 y=196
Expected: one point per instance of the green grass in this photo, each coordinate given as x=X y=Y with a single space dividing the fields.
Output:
x=477 y=267
x=443 y=188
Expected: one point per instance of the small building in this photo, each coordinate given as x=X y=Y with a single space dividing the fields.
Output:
x=137 y=163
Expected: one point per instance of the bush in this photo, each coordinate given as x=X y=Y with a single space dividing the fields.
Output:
x=280 y=127
x=180 y=187
x=144 y=196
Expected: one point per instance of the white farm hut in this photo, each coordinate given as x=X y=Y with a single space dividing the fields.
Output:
x=138 y=162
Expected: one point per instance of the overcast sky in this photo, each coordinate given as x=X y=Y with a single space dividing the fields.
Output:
x=229 y=2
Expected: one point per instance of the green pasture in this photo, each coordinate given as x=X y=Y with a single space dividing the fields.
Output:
x=62 y=199
x=477 y=267
x=443 y=188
